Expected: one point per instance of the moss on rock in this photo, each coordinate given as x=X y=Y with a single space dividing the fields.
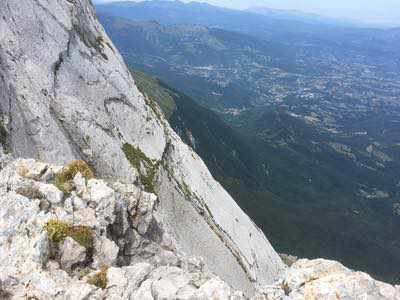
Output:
x=82 y=235
x=140 y=161
x=58 y=231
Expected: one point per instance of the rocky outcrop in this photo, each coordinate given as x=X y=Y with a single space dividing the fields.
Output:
x=324 y=279
x=65 y=93
x=106 y=240
x=62 y=249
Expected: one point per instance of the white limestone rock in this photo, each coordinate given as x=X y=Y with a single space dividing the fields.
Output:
x=144 y=212
x=50 y=192
x=324 y=279
x=80 y=185
x=71 y=254
x=74 y=203
x=215 y=288
x=32 y=169
x=104 y=199
x=105 y=252
x=32 y=267
x=122 y=282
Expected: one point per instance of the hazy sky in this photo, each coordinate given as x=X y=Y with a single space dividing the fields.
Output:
x=368 y=11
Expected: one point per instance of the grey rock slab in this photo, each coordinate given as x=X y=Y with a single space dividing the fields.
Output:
x=105 y=252
x=71 y=254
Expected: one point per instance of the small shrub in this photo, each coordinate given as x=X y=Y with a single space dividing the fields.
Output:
x=66 y=175
x=58 y=231
x=100 y=278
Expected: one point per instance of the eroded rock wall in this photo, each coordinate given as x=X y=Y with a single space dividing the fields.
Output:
x=67 y=94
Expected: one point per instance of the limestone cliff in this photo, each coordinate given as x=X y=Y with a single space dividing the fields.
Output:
x=65 y=93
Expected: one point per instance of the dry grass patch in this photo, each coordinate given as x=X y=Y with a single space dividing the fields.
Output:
x=100 y=278
x=64 y=178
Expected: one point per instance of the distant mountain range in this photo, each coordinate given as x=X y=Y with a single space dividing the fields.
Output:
x=176 y=12
x=283 y=25
x=286 y=14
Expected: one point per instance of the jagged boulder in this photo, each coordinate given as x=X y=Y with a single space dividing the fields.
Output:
x=105 y=252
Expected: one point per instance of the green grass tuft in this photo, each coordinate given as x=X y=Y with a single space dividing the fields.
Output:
x=58 y=231
x=82 y=235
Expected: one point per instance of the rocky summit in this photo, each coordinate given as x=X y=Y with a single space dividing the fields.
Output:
x=100 y=199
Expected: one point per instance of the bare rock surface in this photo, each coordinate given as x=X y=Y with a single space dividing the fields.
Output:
x=55 y=253
x=109 y=242
x=325 y=280
x=71 y=254
x=65 y=93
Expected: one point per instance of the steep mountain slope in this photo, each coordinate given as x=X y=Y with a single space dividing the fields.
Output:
x=291 y=220
x=66 y=94
x=324 y=144
x=228 y=155
x=65 y=234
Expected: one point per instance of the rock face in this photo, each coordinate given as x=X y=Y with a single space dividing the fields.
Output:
x=66 y=94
